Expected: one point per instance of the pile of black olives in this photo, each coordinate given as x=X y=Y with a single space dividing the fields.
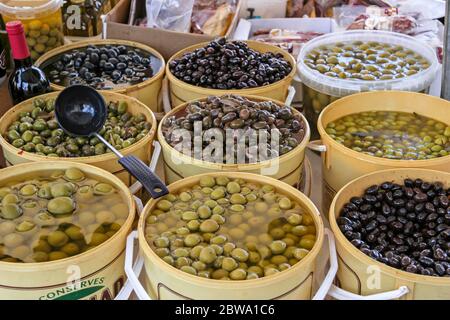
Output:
x=101 y=67
x=238 y=113
x=404 y=226
x=230 y=65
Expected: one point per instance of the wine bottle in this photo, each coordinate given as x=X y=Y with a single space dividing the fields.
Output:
x=26 y=81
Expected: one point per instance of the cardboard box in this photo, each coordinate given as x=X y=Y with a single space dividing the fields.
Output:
x=166 y=42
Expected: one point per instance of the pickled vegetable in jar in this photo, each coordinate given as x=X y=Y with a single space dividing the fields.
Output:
x=42 y=21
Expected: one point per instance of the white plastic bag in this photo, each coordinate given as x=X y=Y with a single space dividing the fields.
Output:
x=174 y=15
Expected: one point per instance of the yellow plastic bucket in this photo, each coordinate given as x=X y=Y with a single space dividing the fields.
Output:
x=288 y=168
x=341 y=165
x=165 y=282
x=361 y=275
x=147 y=91
x=141 y=149
x=97 y=274
x=181 y=92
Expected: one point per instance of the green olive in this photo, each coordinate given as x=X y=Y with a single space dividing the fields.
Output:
x=61 y=206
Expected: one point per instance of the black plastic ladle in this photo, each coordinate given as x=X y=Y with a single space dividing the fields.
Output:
x=81 y=111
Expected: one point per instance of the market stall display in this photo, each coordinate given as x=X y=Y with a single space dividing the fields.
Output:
x=237 y=113
x=42 y=21
x=30 y=133
x=237 y=105
x=399 y=233
x=88 y=215
x=242 y=67
x=291 y=283
x=373 y=60
x=342 y=164
x=119 y=66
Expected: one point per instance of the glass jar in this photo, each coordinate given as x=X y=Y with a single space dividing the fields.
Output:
x=82 y=18
x=42 y=21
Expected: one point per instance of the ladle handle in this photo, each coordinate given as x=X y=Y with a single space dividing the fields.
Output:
x=142 y=172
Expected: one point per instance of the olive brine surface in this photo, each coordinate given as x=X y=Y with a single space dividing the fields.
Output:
x=367 y=61
x=392 y=135
x=38 y=131
x=57 y=215
x=406 y=226
x=229 y=65
x=232 y=112
x=102 y=67
x=230 y=229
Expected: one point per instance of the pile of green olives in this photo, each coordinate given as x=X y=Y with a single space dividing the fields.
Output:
x=38 y=131
x=392 y=135
x=230 y=229
x=57 y=215
x=366 y=61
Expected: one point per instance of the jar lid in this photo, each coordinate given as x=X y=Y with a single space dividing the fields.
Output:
x=28 y=9
x=343 y=87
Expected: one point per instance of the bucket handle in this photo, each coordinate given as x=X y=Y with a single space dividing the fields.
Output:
x=127 y=288
x=331 y=274
x=316 y=145
x=167 y=106
x=137 y=186
x=290 y=96
x=133 y=271
x=341 y=294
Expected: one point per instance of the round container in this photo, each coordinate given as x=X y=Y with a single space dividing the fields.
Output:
x=166 y=282
x=341 y=164
x=147 y=91
x=358 y=273
x=181 y=92
x=320 y=90
x=99 y=271
x=108 y=161
x=287 y=168
x=42 y=21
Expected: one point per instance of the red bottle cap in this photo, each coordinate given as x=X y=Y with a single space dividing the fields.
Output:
x=16 y=35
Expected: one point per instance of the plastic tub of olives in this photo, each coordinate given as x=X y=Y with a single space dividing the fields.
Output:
x=142 y=81
x=182 y=92
x=287 y=167
x=208 y=261
x=343 y=63
x=14 y=154
x=394 y=282
x=61 y=219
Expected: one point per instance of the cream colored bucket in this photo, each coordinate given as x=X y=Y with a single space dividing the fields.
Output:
x=147 y=91
x=165 y=282
x=288 y=168
x=181 y=92
x=362 y=277
x=97 y=274
x=141 y=149
x=341 y=165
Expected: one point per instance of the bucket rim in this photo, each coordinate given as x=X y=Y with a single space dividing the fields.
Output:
x=197 y=89
x=357 y=254
x=30 y=156
x=235 y=166
x=150 y=255
x=87 y=255
x=372 y=159
x=84 y=43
